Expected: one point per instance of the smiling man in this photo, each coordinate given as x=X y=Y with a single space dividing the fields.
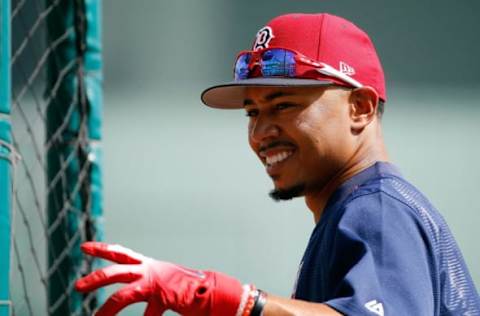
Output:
x=313 y=89
x=312 y=139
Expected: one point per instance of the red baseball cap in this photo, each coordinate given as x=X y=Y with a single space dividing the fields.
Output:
x=322 y=37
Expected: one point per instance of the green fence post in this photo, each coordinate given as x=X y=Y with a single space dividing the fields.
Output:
x=6 y=154
x=75 y=203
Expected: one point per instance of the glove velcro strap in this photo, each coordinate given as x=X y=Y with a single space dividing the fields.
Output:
x=227 y=294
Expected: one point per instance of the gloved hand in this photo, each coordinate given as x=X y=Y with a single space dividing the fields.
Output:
x=163 y=285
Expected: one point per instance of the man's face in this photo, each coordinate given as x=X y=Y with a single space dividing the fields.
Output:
x=302 y=135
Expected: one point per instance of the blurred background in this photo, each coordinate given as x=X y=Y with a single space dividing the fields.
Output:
x=180 y=181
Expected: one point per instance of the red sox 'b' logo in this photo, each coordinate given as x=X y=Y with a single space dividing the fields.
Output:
x=264 y=37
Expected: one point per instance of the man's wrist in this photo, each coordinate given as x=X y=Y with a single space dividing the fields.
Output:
x=252 y=301
x=260 y=301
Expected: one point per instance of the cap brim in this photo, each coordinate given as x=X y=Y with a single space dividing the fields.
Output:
x=232 y=95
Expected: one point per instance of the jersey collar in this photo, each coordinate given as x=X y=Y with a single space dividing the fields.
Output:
x=380 y=169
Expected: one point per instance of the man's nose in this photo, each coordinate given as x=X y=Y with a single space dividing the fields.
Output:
x=262 y=129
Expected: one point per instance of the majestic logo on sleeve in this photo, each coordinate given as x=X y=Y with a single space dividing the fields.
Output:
x=375 y=307
x=264 y=36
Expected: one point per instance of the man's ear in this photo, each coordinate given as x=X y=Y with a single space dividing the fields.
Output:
x=363 y=107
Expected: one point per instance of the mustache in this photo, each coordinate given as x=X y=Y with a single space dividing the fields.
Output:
x=274 y=144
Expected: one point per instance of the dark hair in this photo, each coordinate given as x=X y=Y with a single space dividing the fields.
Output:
x=380 y=108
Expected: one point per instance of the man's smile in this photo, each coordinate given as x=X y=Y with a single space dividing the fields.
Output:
x=275 y=154
x=277 y=158
x=277 y=161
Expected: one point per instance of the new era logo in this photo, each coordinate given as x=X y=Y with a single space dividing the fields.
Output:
x=346 y=69
x=375 y=307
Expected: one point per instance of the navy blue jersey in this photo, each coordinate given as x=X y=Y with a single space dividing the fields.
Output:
x=380 y=248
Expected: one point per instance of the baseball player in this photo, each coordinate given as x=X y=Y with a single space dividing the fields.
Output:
x=313 y=89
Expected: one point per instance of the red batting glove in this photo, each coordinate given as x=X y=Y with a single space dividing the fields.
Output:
x=162 y=285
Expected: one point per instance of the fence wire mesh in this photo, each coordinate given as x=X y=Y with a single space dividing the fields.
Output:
x=50 y=204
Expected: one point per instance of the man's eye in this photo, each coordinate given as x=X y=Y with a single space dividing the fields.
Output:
x=283 y=106
x=251 y=113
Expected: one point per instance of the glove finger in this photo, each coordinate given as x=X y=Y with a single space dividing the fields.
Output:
x=154 y=308
x=127 y=295
x=115 y=253
x=117 y=273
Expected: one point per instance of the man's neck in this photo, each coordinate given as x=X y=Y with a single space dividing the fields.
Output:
x=317 y=200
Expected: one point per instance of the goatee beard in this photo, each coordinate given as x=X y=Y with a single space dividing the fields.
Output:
x=287 y=194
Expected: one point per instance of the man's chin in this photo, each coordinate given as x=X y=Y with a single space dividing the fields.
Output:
x=287 y=193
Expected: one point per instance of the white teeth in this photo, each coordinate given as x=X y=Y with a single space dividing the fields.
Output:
x=278 y=157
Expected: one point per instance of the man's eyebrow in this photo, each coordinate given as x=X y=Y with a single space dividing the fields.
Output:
x=270 y=97
x=278 y=94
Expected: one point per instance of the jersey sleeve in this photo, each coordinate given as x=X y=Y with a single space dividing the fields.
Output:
x=380 y=260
